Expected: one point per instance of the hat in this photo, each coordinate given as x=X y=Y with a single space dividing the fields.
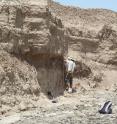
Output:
x=70 y=58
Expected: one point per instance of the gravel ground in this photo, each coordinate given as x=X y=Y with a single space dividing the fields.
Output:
x=83 y=109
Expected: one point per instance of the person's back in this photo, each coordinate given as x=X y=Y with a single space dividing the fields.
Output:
x=70 y=66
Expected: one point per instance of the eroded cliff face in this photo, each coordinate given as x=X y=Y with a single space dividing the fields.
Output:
x=83 y=30
x=32 y=49
x=92 y=37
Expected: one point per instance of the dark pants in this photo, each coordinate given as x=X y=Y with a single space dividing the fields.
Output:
x=69 y=79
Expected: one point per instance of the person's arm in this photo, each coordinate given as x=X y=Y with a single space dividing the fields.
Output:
x=74 y=67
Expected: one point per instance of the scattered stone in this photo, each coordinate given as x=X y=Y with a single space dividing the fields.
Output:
x=55 y=101
x=23 y=106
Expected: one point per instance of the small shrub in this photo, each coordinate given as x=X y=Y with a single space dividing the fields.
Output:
x=105 y=32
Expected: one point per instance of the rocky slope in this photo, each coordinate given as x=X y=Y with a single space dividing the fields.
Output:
x=85 y=19
x=92 y=38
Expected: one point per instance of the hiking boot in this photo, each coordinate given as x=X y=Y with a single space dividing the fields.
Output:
x=70 y=90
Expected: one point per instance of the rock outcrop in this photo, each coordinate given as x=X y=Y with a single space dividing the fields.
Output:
x=83 y=27
x=92 y=37
x=31 y=49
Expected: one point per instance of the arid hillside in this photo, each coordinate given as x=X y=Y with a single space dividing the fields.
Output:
x=92 y=39
x=35 y=37
x=90 y=19
x=88 y=30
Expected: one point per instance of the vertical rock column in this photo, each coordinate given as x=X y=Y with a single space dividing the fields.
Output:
x=46 y=44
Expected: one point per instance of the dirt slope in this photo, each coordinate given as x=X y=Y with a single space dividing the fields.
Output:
x=84 y=18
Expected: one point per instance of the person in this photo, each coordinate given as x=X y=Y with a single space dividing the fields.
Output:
x=70 y=67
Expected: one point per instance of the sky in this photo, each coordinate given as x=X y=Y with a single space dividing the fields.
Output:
x=106 y=4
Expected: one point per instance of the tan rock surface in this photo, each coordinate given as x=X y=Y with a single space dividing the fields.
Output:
x=92 y=36
x=31 y=51
x=33 y=41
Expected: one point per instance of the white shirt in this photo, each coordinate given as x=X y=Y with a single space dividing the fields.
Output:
x=70 y=66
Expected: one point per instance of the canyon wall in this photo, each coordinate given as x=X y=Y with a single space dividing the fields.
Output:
x=31 y=51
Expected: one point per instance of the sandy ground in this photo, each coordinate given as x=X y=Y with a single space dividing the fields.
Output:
x=81 y=108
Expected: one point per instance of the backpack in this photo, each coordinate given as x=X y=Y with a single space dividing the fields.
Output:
x=106 y=108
